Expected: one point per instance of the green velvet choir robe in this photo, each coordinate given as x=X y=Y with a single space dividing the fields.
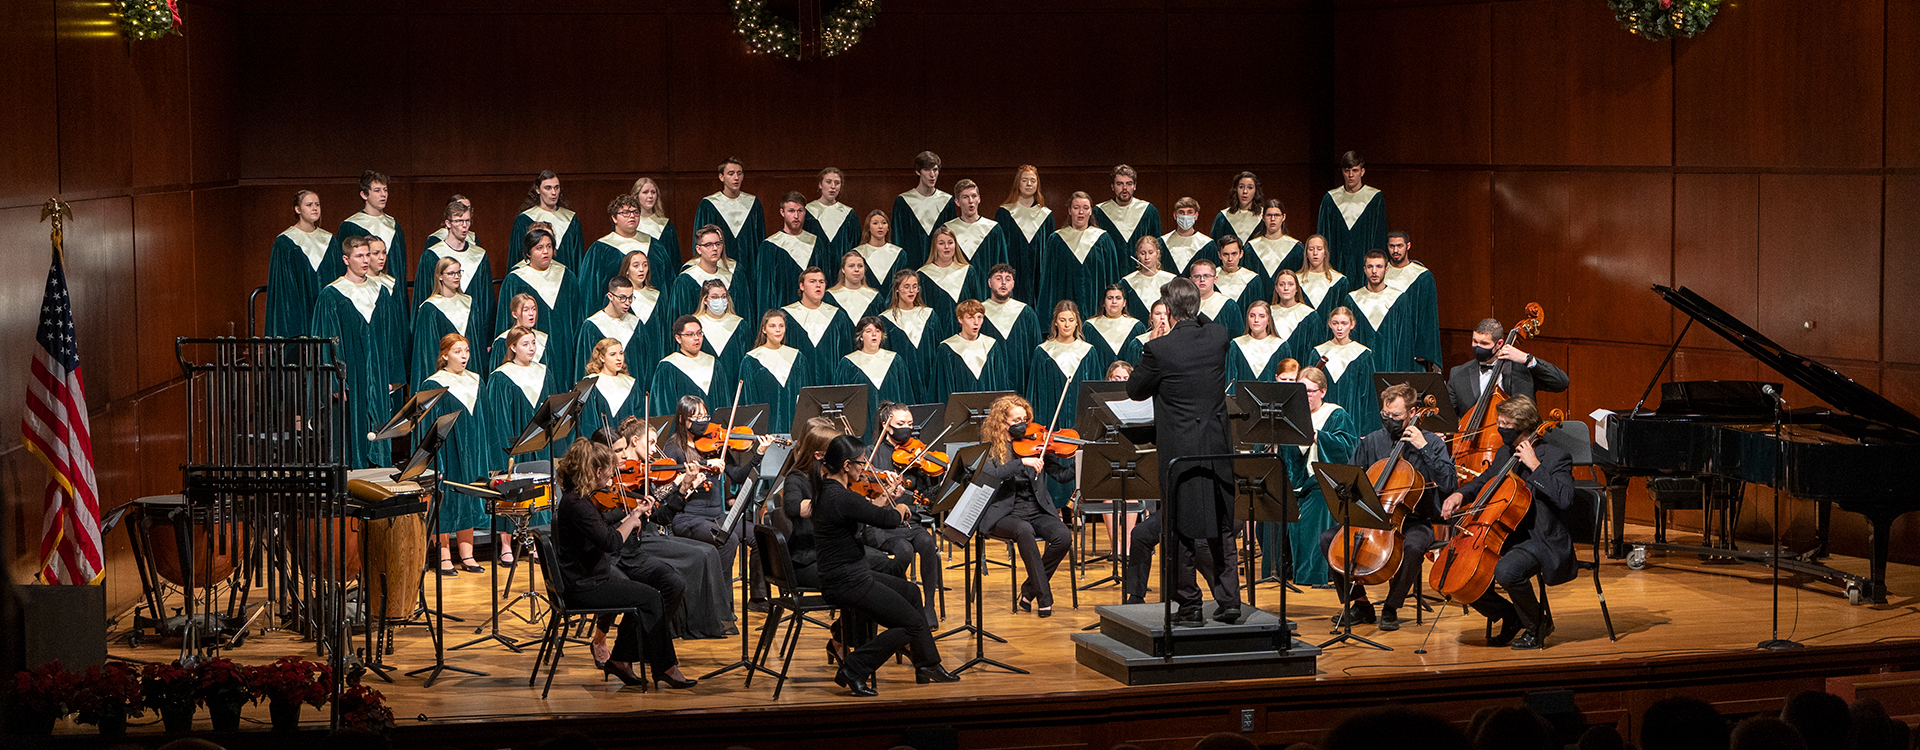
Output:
x=1270 y=254
x=915 y=335
x=774 y=377
x=650 y=339
x=1389 y=324
x=945 y=288
x=500 y=355
x=476 y=281
x=399 y=331
x=464 y=457
x=356 y=315
x=683 y=297
x=361 y=225
x=507 y=404
x=602 y=261
x=984 y=246
x=913 y=220
x=838 y=229
x=1017 y=324
x=742 y=222
x=1302 y=328
x=857 y=302
x=1178 y=253
x=983 y=364
x=663 y=246
x=1334 y=439
x=600 y=325
x=1078 y=265
x=557 y=293
x=613 y=398
x=882 y=262
x=885 y=375
x=1224 y=310
x=727 y=338
x=1353 y=223
x=1110 y=337
x=293 y=280
x=1420 y=295
x=1245 y=225
x=1249 y=358
x=1026 y=229
x=569 y=242
x=821 y=335
x=1135 y=346
x=1350 y=371
x=439 y=316
x=1323 y=293
x=775 y=281
x=1142 y=290
x=1128 y=223
x=678 y=375
x=1245 y=286
x=1058 y=369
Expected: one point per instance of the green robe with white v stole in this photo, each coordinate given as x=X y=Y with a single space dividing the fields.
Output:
x=1301 y=328
x=1350 y=372
x=439 y=316
x=885 y=375
x=984 y=246
x=476 y=281
x=838 y=230
x=1078 y=265
x=507 y=404
x=499 y=355
x=1244 y=286
x=1110 y=336
x=916 y=336
x=1243 y=224
x=981 y=365
x=1142 y=290
x=1128 y=223
x=945 y=288
x=774 y=377
x=663 y=247
x=821 y=335
x=1017 y=324
x=857 y=303
x=1025 y=229
x=1420 y=295
x=683 y=295
x=882 y=263
x=626 y=330
x=704 y=376
x=1270 y=254
x=359 y=316
x=361 y=225
x=603 y=258
x=650 y=338
x=612 y=400
x=557 y=293
x=1225 y=310
x=1335 y=436
x=726 y=338
x=1055 y=369
x=777 y=265
x=743 y=224
x=1322 y=293
x=569 y=242
x=1253 y=359
x=464 y=457
x=1178 y=253
x=1390 y=324
x=293 y=280
x=1353 y=223
x=913 y=220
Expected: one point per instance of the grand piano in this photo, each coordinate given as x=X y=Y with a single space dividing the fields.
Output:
x=1742 y=431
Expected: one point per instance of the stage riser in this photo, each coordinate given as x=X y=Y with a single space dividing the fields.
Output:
x=1131 y=666
x=1139 y=627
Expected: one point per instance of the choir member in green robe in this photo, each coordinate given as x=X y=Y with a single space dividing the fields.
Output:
x=1353 y=216
x=1273 y=249
x=293 y=269
x=1011 y=321
x=399 y=320
x=1349 y=366
x=884 y=373
x=1418 y=294
x=616 y=393
x=981 y=242
x=1079 y=260
x=853 y=290
x=650 y=339
x=1236 y=280
x=820 y=331
x=834 y=223
x=513 y=392
x=603 y=258
x=1026 y=223
x=1321 y=285
x=881 y=255
x=1058 y=366
x=350 y=308
x=1158 y=324
x=663 y=246
x=524 y=312
x=723 y=334
x=546 y=204
x=781 y=257
x=710 y=263
x=1387 y=321
x=972 y=362
x=1142 y=285
x=1185 y=244
x=946 y=279
x=1252 y=355
x=446 y=310
x=1335 y=436
x=773 y=373
x=371 y=221
x=476 y=276
x=615 y=321
x=463 y=458
x=1112 y=329
x=1125 y=217
x=742 y=222
x=1218 y=306
x=917 y=212
x=1297 y=323
x=688 y=371
x=914 y=332
x=554 y=288
x=1270 y=535
x=1241 y=217
x=440 y=235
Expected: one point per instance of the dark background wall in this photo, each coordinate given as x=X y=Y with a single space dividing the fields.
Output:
x=1536 y=152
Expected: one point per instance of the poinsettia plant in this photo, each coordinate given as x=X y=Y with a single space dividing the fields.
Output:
x=364 y=708
x=46 y=690
x=292 y=679
x=223 y=682
x=164 y=686
x=112 y=689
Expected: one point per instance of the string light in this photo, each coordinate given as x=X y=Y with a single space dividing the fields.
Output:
x=1664 y=19
x=768 y=33
x=148 y=19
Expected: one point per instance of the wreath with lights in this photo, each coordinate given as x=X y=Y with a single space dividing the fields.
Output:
x=1663 y=19
x=770 y=33
x=149 y=19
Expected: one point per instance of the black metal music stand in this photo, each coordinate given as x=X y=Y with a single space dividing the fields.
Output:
x=1093 y=420
x=1117 y=473
x=402 y=424
x=1263 y=494
x=408 y=416
x=745 y=501
x=1269 y=414
x=1354 y=505
x=975 y=542
x=926 y=419
x=1444 y=421
x=964 y=413
x=845 y=404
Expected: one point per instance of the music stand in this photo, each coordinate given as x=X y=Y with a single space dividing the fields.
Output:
x=1093 y=422
x=925 y=418
x=1424 y=384
x=1130 y=420
x=429 y=449
x=752 y=416
x=408 y=416
x=1117 y=473
x=974 y=541
x=553 y=421
x=1276 y=413
x=846 y=404
x=1354 y=505
x=964 y=413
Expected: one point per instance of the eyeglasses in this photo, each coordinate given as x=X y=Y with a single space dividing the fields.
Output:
x=708 y=244
x=622 y=297
x=627 y=212
x=1204 y=275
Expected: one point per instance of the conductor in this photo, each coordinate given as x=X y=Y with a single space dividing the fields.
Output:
x=1185 y=373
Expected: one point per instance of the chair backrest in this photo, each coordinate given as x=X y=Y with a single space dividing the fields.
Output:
x=1571 y=436
x=775 y=563
x=1585 y=519
x=550 y=568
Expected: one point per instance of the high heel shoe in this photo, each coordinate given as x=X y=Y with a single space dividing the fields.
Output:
x=471 y=566
x=673 y=684
x=935 y=673
x=1045 y=612
x=624 y=673
x=1026 y=605
x=835 y=652
x=859 y=686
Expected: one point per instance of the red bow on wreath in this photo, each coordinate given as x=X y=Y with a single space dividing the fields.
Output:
x=173 y=6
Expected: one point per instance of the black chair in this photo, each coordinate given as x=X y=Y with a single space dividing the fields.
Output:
x=787 y=601
x=1586 y=521
x=561 y=618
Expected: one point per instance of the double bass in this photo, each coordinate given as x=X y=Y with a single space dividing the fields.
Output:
x=1463 y=569
x=1478 y=441
x=1376 y=553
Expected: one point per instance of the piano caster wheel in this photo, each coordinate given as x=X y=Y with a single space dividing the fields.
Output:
x=1855 y=594
x=1637 y=558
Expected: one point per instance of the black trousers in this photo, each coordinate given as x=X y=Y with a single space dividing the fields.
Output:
x=689 y=526
x=1413 y=549
x=1515 y=572
x=893 y=603
x=1215 y=558
x=910 y=543
x=620 y=592
x=661 y=577
x=1026 y=530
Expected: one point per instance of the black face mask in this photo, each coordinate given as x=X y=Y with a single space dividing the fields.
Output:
x=1017 y=430
x=699 y=427
x=1482 y=354
x=1509 y=435
x=900 y=435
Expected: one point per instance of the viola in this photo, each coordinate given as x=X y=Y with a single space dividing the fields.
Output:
x=1478 y=441
x=917 y=455
x=1040 y=440
x=739 y=439
x=1375 y=553
x=1463 y=569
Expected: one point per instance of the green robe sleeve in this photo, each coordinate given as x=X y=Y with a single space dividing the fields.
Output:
x=292 y=287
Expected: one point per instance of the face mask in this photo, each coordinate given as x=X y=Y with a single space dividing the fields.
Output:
x=1508 y=435
x=900 y=435
x=1017 y=430
x=1185 y=222
x=717 y=306
x=699 y=427
x=1482 y=354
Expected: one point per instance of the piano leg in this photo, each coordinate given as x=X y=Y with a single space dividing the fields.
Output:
x=1824 y=520
x=1882 y=531
x=1617 y=514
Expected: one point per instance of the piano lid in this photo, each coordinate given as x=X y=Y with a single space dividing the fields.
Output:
x=1823 y=381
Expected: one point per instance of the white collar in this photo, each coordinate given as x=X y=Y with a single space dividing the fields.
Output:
x=698 y=368
x=1339 y=357
x=457 y=309
x=1376 y=305
x=912 y=322
x=619 y=329
x=880 y=261
x=777 y=361
x=971 y=236
x=365 y=295
x=974 y=352
x=381 y=226
x=718 y=331
x=1114 y=330
x=1080 y=241
x=546 y=283
x=532 y=379
x=799 y=247
x=830 y=218
x=1066 y=355
x=951 y=279
x=874 y=365
x=814 y=322
x=465 y=386
x=926 y=208
x=614 y=388
x=1125 y=219
x=1259 y=352
x=1004 y=315
x=311 y=244
x=1029 y=218
x=733 y=210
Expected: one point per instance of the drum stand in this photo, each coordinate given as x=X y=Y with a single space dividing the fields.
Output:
x=523 y=550
x=439 y=618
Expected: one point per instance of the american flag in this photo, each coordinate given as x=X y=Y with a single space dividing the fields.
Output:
x=56 y=430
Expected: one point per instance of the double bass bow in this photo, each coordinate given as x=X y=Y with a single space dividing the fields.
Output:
x=1463 y=569
x=1478 y=441
x=1376 y=553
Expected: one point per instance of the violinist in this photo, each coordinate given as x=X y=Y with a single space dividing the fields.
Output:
x=1523 y=377
x=1428 y=455
x=795 y=498
x=1019 y=509
x=700 y=518
x=691 y=576
x=1539 y=545
x=913 y=540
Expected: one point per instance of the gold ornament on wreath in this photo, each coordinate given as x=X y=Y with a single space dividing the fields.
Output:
x=148 y=19
x=839 y=27
x=1664 y=19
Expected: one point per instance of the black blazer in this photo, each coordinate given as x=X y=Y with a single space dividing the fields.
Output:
x=1541 y=533
x=1435 y=464
x=587 y=547
x=1017 y=488
x=1463 y=383
x=1185 y=373
x=838 y=515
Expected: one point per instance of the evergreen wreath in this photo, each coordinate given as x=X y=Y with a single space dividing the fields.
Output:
x=1662 y=19
x=149 y=19
x=770 y=33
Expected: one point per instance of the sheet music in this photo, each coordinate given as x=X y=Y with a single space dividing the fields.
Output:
x=1600 y=417
x=1131 y=412
x=966 y=511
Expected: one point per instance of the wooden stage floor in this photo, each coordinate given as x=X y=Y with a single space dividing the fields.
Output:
x=1679 y=612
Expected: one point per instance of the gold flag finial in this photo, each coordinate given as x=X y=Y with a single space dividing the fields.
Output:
x=60 y=211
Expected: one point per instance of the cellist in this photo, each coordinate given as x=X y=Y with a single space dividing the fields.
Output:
x=1428 y=454
x=1539 y=545
x=1525 y=375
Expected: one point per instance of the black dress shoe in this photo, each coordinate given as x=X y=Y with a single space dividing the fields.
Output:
x=935 y=673
x=855 y=684
x=1228 y=616
x=1509 y=627
x=449 y=572
x=1389 y=620
x=468 y=564
x=1189 y=618
x=1026 y=605
x=1529 y=640
x=624 y=673
x=1360 y=613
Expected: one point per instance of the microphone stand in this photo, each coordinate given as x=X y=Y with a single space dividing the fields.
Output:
x=1776 y=643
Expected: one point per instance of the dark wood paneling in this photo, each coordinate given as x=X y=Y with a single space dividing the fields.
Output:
x=158 y=83
x=29 y=156
x=1901 y=385
x=1695 y=363
x=163 y=439
x=26 y=250
x=1716 y=245
x=1415 y=84
x=1903 y=85
x=1586 y=246
x=93 y=81
x=100 y=275
x=213 y=57
x=313 y=105
x=1220 y=110
x=164 y=305
x=1552 y=102
x=1610 y=376
x=1826 y=272
x=1447 y=214
x=222 y=294
x=1782 y=84
x=1901 y=321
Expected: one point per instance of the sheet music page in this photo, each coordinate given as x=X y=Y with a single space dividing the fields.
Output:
x=1131 y=412
x=1600 y=417
x=966 y=511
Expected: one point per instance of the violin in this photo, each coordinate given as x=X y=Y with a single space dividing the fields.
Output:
x=1041 y=441
x=1463 y=570
x=1375 y=553
x=872 y=483
x=630 y=484
x=739 y=439
x=1478 y=441
x=918 y=455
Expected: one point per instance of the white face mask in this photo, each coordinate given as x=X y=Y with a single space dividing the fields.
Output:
x=717 y=306
x=1184 y=221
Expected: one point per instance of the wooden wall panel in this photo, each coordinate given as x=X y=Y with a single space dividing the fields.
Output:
x=1716 y=246
x=100 y=275
x=1695 y=363
x=222 y=293
x=1448 y=215
x=1550 y=106
x=311 y=105
x=1587 y=246
x=94 y=114
x=1903 y=85
x=1902 y=305
x=1218 y=113
x=163 y=304
x=1901 y=385
x=1610 y=376
x=158 y=131
x=1792 y=83
x=29 y=155
x=1827 y=271
x=20 y=295
x=1416 y=84
x=163 y=439
x=213 y=57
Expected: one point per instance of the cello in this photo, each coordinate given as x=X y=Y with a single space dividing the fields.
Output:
x=1463 y=569
x=1376 y=553
x=1478 y=441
